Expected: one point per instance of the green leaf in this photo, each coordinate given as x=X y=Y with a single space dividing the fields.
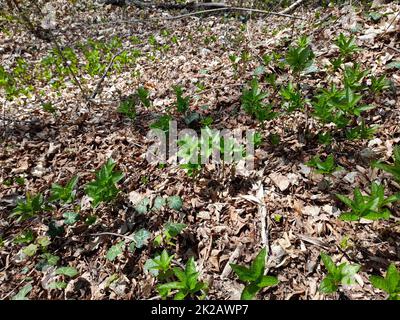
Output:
x=267 y=281
x=258 y=265
x=172 y=229
x=58 y=285
x=30 y=250
x=159 y=202
x=328 y=263
x=393 y=278
x=115 y=251
x=43 y=241
x=328 y=285
x=141 y=237
x=67 y=271
x=244 y=273
x=143 y=206
x=71 y=217
x=22 y=294
x=175 y=203
x=249 y=292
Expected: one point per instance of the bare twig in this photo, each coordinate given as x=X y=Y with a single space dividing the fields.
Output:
x=96 y=90
x=110 y=234
x=291 y=7
x=227 y=270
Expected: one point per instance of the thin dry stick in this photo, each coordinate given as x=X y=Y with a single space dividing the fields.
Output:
x=110 y=234
x=291 y=7
x=96 y=90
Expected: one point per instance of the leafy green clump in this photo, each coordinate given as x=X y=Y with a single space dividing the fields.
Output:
x=182 y=102
x=301 y=56
x=104 y=189
x=328 y=166
x=252 y=102
x=127 y=107
x=347 y=45
x=393 y=169
x=187 y=283
x=371 y=207
x=64 y=194
x=254 y=276
x=28 y=208
x=390 y=283
x=160 y=265
x=342 y=274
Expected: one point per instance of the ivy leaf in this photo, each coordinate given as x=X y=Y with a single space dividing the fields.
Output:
x=70 y=217
x=115 y=251
x=142 y=206
x=22 y=294
x=141 y=238
x=173 y=229
x=159 y=202
x=175 y=203
x=59 y=285
x=67 y=271
x=30 y=250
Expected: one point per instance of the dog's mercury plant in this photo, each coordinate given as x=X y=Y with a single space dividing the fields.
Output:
x=371 y=207
x=254 y=276
x=342 y=274
x=390 y=283
x=104 y=189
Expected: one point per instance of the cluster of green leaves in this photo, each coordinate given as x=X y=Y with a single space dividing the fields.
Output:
x=17 y=81
x=254 y=276
x=342 y=274
x=185 y=281
x=390 y=283
x=301 y=56
x=393 y=169
x=325 y=167
x=347 y=45
x=104 y=189
x=127 y=107
x=372 y=207
x=139 y=239
x=293 y=99
x=170 y=231
x=29 y=207
x=253 y=102
x=182 y=102
x=64 y=194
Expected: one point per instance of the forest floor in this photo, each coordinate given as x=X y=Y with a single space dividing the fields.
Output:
x=282 y=204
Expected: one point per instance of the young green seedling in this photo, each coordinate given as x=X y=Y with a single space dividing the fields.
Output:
x=324 y=167
x=160 y=265
x=29 y=207
x=104 y=189
x=393 y=169
x=187 y=284
x=390 y=283
x=372 y=207
x=252 y=102
x=254 y=276
x=301 y=56
x=127 y=107
x=64 y=194
x=342 y=274
x=347 y=46
x=182 y=102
